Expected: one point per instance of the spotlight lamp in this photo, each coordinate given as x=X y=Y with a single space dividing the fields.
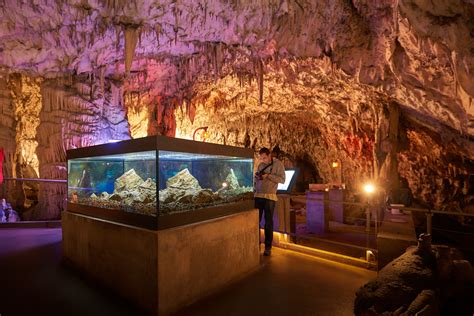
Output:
x=369 y=188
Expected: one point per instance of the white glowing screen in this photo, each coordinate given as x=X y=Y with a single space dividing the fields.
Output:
x=288 y=176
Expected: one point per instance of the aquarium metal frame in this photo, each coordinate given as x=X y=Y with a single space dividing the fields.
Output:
x=161 y=143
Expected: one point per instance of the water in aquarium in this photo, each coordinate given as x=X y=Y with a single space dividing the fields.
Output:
x=192 y=181
x=124 y=182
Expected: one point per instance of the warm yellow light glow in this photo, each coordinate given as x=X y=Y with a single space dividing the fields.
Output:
x=138 y=114
x=335 y=164
x=369 y=188
x=224 y=184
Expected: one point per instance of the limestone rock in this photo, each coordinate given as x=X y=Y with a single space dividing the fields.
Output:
x=419 y=282
x=398 y=284
x=203 y=196
x=231 y=180
x=148 y=185
x=130 y=180
x=12 y=216
x=424 y=304
x=93 y=196
x=183 y=180
x=115 y=197
x=104 y=195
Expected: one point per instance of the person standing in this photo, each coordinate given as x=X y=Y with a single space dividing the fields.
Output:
x=270 y=172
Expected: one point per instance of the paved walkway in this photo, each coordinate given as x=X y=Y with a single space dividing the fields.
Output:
x=33 y=282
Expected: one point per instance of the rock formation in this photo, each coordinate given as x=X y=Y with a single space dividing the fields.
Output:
x=183 y=180
x=130 y=180
x=7 y=213
x=386 y=87
x=131 y=194
x=183 y=193
x=425 y=280
x=232 y=181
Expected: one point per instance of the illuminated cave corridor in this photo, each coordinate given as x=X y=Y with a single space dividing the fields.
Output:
x=108 y=113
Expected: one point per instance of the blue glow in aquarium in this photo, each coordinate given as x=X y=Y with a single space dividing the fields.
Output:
x=191 y=181
x=185 y=181
x=124 y=182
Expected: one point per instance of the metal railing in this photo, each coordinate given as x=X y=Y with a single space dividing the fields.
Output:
x=339 y=235
x=35 y=180
x=369 y=214
x=429 y=215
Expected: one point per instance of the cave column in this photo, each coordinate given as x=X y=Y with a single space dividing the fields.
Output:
x=26 y=100
x=394 y=117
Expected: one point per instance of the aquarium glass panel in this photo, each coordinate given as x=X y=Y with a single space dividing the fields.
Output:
x=124 y=182
x=194 y=181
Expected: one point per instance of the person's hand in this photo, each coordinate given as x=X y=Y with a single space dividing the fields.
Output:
x=264 y=176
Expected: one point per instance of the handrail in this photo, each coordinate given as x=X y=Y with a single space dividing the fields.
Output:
x=414 y=209
x=425 y=210
x=36 y=180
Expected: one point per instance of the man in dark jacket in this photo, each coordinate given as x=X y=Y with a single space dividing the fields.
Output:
x=270 y=172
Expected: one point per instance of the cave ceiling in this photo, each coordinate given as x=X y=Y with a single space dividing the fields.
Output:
x=419 y=53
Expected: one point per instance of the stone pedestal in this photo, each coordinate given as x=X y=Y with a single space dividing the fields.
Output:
x=163 y=271
x=281 y=215
x=336 y=206
x=317 y=219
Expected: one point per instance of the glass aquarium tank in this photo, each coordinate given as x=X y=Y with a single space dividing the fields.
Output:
x=160 y=182
x=125 y=182
x=192 y=181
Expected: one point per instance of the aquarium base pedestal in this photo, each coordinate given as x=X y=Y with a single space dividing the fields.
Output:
x=165 y=270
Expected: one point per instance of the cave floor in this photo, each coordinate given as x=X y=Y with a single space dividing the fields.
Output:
x=34 y=282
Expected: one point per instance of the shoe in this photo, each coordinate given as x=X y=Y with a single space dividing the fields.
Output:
x=267 y=252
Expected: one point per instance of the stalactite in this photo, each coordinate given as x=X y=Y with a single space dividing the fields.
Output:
x=259 y=71
x=158 y=31
x=102 y=79
x=131 y=39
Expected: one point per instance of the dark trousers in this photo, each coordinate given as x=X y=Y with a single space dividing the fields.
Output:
x=266 y=208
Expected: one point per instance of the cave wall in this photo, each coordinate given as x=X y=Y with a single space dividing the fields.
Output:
x=7 y=135
x=309 y=111
x=439 y=168
x=375 y=84
x=315 y=116
x=46 y=118
x=77 y=112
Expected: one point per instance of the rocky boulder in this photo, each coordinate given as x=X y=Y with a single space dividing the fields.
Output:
x=129 y=181
x=203 y=197
x=183 y=180
x=425 y=280
x=148 y=185
x=231 y=180
x=115 y=197
x=104 y=196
